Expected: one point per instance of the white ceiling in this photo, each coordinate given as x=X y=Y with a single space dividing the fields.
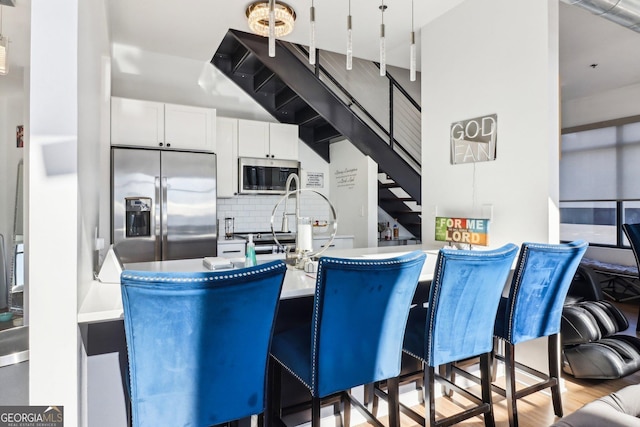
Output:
x=194 y=28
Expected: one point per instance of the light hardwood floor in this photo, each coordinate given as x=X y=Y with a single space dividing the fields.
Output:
x=536 y=410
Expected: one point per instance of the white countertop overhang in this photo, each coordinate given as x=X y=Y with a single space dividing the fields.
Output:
x=103 y=302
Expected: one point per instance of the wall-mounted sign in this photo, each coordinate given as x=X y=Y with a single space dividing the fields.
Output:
x=474 y=140
x=346 y=178
x=472 y=231
x=315 y=180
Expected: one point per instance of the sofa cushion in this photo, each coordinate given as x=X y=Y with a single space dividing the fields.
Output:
x=619 y=409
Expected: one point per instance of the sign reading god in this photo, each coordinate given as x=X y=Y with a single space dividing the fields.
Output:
x=474 y=140
x=462 y=230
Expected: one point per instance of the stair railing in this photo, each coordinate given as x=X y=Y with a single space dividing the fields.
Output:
x=383 y=104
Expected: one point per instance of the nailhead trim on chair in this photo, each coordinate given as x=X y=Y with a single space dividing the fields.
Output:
x=160 y=278
x=293 y=373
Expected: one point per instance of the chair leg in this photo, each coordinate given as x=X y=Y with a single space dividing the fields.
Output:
x=375 y=400
x=315 y=411
x=485 y=381
x=420 y=389
x=393 y=386
x=494 y=361
x=510 y=386
x=554 y=372
x=429 y=399
x=346 y=409
x=274 y=397
x=447 y=372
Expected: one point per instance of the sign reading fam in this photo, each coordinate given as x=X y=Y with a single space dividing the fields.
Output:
x=462 y=230
x=474 y=140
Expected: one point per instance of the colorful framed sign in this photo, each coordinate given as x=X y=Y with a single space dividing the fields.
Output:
x=472 y=231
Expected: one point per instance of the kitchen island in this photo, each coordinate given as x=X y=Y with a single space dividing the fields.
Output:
x=103 y=302
x=100 y=321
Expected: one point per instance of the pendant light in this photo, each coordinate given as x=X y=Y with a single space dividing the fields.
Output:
x=312 y=35
x=412 y=50
x=4 y=46
x=383 y=53
x=272 y=28
x=349 y=41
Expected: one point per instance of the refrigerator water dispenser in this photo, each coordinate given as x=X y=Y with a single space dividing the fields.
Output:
x=138 y=214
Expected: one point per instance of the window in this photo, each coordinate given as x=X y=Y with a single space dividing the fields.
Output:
x=599 y=178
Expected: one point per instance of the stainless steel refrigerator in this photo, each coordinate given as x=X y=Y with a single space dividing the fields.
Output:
x=163 y=204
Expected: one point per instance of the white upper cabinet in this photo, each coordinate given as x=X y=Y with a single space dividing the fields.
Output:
x=154 y=124
x=267 y=140
x=227 y=157
x=135 y=122
x=283 y=141
x=253 y=138
x=189 y=128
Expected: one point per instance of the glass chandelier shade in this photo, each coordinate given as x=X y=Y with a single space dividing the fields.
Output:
x=412 y=58
x=412 y=50
x=271 y=19
x=272 y=28
x=349 y=40
x=383 y=49
x=312 y=35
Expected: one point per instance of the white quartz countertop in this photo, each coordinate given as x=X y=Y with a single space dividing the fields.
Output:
x=103 y=302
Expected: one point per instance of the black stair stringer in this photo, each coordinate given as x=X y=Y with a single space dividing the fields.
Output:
x=308 y=87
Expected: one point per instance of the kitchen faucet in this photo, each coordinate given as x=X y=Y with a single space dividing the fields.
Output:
x=285 y=220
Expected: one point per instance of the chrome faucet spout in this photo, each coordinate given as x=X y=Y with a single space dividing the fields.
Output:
x=285 y=223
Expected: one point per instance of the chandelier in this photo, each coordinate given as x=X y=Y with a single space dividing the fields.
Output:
x=258 y=18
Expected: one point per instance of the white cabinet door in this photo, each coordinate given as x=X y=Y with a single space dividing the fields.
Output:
x=253 y=139
x=283 y=141
x=227 y=156
x=189 y=128
x=137 y=123
x=338 y=242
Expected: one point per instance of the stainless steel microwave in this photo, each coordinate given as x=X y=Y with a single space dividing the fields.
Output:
x=265 y=176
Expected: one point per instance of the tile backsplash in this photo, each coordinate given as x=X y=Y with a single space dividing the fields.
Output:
x=253 y=213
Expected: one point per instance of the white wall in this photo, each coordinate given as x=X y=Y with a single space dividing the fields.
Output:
x=163 y=78
x=68 y=100
x=52 y=247
x=612 y=104
x=500 y=64
x=483 y=58
x=94 y=98
x=354 y=193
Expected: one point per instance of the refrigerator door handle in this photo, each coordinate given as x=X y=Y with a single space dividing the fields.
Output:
x=158 y=224
x=165 y=224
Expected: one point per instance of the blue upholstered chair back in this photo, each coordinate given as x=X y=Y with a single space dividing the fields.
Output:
x=198 y=343
x=360 y=314
x=633 y=234
x=538 y=290
x=463 y=301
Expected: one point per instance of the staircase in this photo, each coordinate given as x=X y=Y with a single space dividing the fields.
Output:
x=296 y=93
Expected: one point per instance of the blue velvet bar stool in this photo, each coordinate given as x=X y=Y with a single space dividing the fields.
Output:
x=457 y=324
x=198 y=343
x=533 y=309
x=355 y=335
